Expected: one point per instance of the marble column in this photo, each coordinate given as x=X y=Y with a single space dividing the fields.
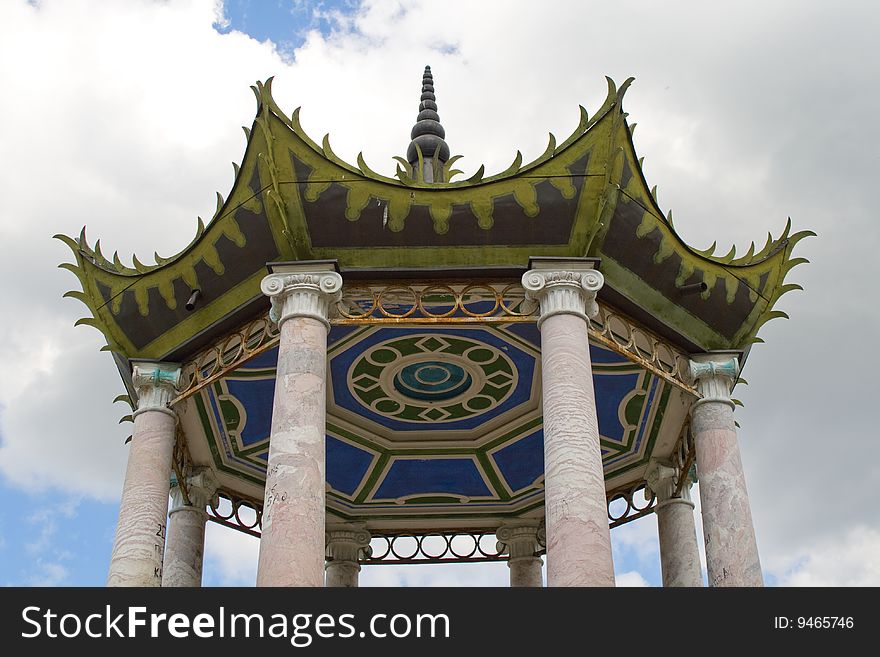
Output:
x=578 y=537
x=345 y=544
x=139 y=544
x=679 y=552
x=522 y=546
x=731 y=549
x=185 y=544
x=292 y=542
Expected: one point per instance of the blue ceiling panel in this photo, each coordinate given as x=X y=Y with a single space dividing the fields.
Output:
x=452 y=476
x=522 y=462
x=255 y=395
x=346 y=465
x=611 y=390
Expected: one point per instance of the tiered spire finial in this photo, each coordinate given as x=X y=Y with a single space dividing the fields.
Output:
x=427 y=133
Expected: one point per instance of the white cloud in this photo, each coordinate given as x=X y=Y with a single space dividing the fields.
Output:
x=638 y=536
x=631 y=578
x=230 y=557
x=849 y=560
x=48 y=574
x=45 y=522
x=47 y=554
x=128 y=140
x=458 y=575
x=59 y=429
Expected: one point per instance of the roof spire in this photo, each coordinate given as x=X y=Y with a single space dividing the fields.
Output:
x=427 y=133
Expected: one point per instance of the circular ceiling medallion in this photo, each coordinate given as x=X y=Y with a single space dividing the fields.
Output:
x=432 y=381
x=432 y=378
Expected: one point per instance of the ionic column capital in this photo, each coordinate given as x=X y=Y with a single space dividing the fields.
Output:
x=347 y=543
x=661 y=478
x=520 y=541
x=302 y=294
x=714 y=376
x=201 y=486
x=564 y=291
x=155 y=385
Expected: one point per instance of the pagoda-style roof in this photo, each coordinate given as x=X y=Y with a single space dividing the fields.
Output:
x=294 y=199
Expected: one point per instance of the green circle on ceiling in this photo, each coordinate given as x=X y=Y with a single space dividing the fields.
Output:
x=432 y=378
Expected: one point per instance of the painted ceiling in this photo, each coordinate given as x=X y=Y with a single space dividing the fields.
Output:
x=430 y=421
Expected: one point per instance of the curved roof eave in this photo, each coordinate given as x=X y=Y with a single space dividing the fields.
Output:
x=257 y=190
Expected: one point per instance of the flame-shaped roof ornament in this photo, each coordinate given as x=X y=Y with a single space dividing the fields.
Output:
x=428 y=135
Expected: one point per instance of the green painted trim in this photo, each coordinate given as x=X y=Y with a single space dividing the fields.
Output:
x=652 y=437
x=657 y=305
x=250 y=374
x=357 y=333
x=436 y=499
x=215 y=452
x=372 y=479
x=488 y=468
x=256 y=448
x=521 y=429
x=493 y=513
x=355 y=438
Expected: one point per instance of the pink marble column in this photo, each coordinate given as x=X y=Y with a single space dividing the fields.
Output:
x=292 y=542
x=139 y=545
x=578 y=537
x=345 y=544
x=731 y=549
x=520 y=541
x=679 y=552
x=185 y=544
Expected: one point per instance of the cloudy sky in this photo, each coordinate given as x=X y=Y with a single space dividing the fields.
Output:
x=124 y=116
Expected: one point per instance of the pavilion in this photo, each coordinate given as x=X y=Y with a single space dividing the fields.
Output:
x=363 y=369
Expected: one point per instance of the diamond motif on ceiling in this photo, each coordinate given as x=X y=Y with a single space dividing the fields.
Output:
x=415 y=385
x=432 y=421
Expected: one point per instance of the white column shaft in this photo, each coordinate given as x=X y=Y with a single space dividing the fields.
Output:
x=731 y=549
x=292 y=545
x=576 y=515
x=729 y=534
x=343 y=574
x=292 y=542
x=525 y=572
x=679 y=552
x=520 y=540
x=139 y=545
x=185 y=548
x=578 y=537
